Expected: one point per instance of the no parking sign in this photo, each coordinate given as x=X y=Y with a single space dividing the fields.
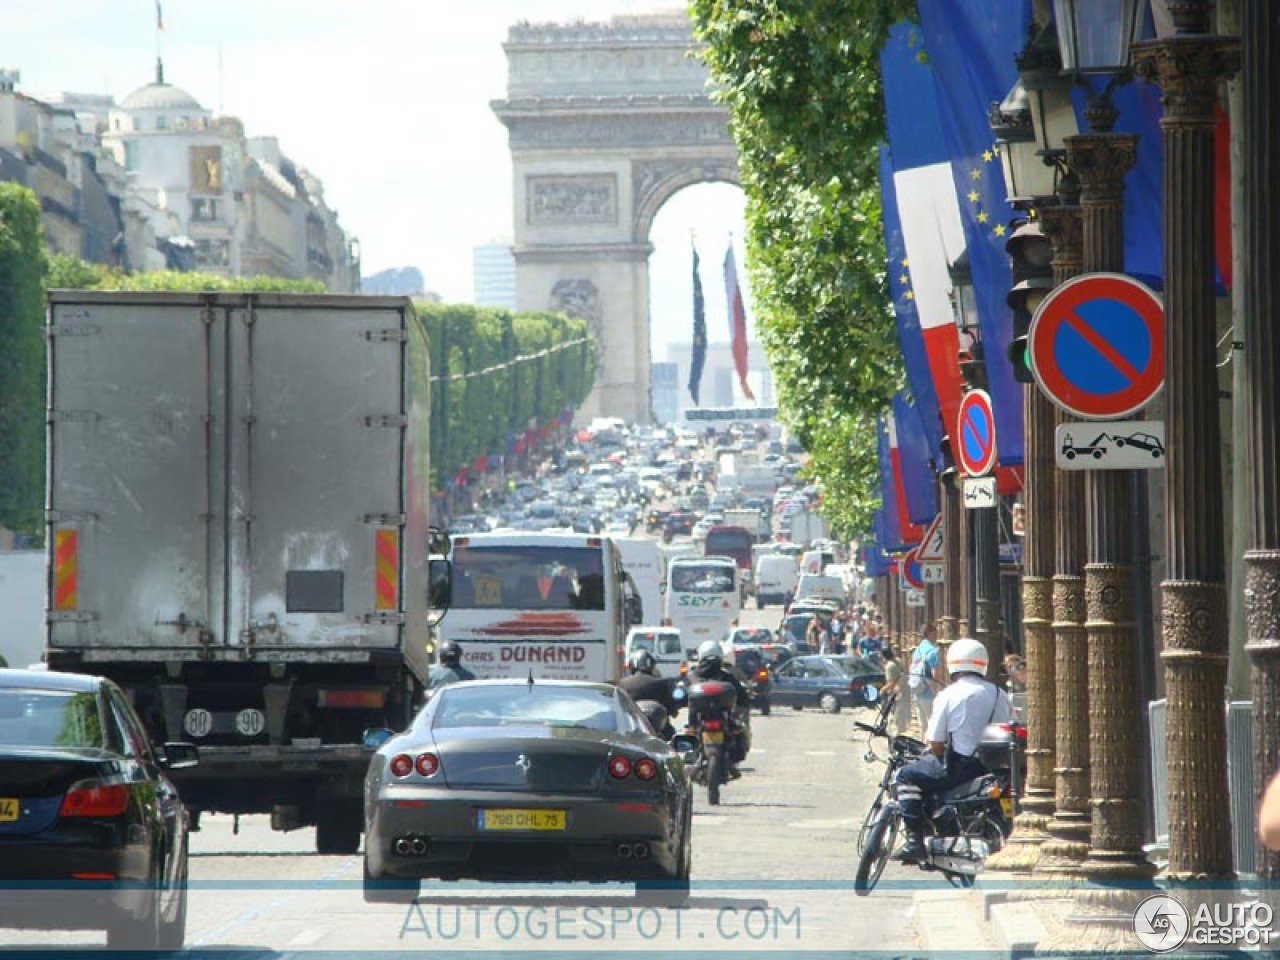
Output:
x=1096 y=346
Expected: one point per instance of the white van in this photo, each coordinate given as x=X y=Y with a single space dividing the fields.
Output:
x=815 y=561
x=644 y=560
x=775 y=579
x=663 y=642
x=817 y=586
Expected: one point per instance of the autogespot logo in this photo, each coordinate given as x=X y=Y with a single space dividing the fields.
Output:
x=1161 y=923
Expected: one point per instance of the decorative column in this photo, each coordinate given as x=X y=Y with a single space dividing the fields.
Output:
x=1101 y=160
x=984 y=525
x=1260 y=30
x=1069 y=828
x=1188 y=68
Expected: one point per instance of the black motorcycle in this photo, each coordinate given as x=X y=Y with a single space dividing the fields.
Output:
x=963 y=825
x=720 y=737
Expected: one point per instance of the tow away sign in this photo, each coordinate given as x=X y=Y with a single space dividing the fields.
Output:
x=1117 y=445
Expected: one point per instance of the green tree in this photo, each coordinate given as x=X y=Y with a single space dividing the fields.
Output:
x=802 y=82
x=22 y=362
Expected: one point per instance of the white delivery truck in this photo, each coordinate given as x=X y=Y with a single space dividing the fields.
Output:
x=237 y=533
x=645 y=561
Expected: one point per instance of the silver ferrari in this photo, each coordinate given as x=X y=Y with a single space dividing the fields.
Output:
x=525 y=780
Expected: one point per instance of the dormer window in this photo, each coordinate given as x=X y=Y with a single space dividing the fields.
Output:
x=162 y=122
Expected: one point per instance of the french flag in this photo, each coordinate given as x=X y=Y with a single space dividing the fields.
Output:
x=911 y=533
x=737 y=322
x=928 y=212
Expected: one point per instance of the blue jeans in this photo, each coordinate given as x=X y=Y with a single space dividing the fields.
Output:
x=930 y=775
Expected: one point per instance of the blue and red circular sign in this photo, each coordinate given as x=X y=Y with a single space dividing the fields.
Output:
x=912 y=576
x=1096 y=346
x=976 y=434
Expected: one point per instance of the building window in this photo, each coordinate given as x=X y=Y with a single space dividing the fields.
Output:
x=162 y=122
x=137 y=123
x=204 y=209
x=130 y=155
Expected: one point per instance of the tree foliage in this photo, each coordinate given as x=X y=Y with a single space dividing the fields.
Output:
x=68 y=272
x=22 y=363
x=495 y=375
x=802 y=82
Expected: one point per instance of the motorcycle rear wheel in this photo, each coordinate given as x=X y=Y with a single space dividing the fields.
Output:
x=881 y=839
x=715 y=776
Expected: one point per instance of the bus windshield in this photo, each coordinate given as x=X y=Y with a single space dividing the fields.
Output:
x=532 y=577
x=701 y=578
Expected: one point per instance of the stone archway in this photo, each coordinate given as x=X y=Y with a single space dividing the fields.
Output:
x=606 y=121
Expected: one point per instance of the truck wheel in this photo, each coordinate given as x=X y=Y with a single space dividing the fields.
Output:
x=338 y=829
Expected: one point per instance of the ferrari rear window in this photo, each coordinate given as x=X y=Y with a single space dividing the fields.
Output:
x=527 y=705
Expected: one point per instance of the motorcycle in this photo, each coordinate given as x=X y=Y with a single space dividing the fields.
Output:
x=721 y=737
x=963 y=825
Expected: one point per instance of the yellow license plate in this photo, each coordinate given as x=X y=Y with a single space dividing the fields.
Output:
x=1006 y=804
x=521 y=819
x=8 y=809
x=712 y=736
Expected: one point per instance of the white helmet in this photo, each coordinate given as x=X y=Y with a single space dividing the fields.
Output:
x=967 y=655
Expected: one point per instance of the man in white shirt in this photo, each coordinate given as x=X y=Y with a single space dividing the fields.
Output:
x=960 y=712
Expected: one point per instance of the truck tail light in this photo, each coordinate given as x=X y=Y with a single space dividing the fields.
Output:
x=352 y=699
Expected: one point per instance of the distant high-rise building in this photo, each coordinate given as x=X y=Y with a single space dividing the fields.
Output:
x=493 y=275
x=719 y=377
x=664 y=391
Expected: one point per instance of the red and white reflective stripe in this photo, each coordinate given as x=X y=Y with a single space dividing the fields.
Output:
x=65 y=573
x=387 y=552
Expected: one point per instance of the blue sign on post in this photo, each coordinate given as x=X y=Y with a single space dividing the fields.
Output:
x=1096 y=346
x=975 y=449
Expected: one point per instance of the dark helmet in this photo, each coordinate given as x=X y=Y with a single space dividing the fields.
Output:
x=710 y=658
x=451 y=654
x=641 y=661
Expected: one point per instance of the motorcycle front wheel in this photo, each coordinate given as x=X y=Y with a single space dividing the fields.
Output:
x=876 y=805
x=881 y=839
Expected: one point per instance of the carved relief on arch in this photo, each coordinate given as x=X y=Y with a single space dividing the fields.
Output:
x=580 y=298
x=654 y=181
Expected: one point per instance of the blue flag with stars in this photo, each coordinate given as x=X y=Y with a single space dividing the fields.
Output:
x=971 y=45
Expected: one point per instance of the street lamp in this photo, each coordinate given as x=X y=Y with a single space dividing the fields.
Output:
x=1027 y=173
x=1094 y=36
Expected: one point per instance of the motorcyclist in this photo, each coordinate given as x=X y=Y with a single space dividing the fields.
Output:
x=643 y=682
x=450 y=668
x=960 y=712
x=710 y=666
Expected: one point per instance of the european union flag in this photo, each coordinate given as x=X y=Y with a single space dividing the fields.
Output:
x=699 y=357
x=971 y=46
x=918 y=479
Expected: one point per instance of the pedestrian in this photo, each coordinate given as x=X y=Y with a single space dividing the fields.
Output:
x=450 y=668
x=895 y=687
x=924 y=667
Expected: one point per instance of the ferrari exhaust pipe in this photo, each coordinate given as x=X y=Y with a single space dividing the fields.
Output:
x=624 y=851
x=419 y=846
x=640 y=851
x=402 y=846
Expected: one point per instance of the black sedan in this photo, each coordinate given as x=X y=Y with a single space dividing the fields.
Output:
x=823 y=682
x=92 y=832
x=517 y=779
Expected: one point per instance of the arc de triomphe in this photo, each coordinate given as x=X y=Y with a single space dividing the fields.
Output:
x=606 y=121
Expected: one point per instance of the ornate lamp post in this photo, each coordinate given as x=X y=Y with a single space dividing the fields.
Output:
x=1029 y=183
x=1094 y=40
x=1188 y=67
x=983 y=529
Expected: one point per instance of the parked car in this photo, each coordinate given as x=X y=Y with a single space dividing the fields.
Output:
x=549 y=780
x=93 y=834
x=820 y=681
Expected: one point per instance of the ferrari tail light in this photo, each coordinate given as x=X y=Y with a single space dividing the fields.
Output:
x=646 y=769
x=427 y=764
x=712 y=725
x=401 y=765
x=93 y=798
x=619 y=767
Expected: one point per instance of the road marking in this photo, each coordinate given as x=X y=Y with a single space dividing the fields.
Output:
x=819 y=753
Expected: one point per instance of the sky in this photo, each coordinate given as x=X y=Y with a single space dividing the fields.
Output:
x=386 y=101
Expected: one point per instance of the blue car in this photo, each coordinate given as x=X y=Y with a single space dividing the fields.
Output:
x=822 y=682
